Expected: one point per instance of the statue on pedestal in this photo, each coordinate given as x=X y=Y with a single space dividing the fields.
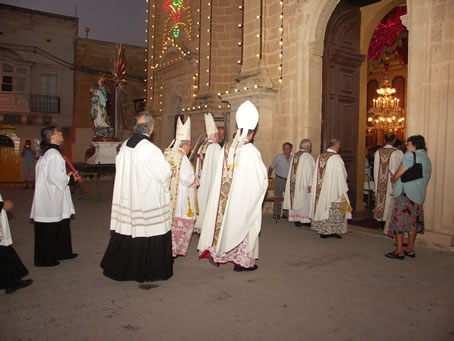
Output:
x=98 y=111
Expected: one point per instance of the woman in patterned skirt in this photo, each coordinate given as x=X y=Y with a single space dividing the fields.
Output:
x=408 y=215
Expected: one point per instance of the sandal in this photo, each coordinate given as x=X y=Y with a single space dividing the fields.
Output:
x=394 y=255
x=411 y=254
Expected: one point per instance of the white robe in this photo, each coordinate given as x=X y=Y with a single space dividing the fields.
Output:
x=52 y=199
x=243 y=212
x=185 y=188
x=6 y=239
x=394 y=163
x=334 y=188
x=206 y=180
x=301 y=195
x=141 y=199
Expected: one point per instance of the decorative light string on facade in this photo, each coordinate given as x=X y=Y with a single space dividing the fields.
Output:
x=150 y=52
x=240 y=26
x=281 y=41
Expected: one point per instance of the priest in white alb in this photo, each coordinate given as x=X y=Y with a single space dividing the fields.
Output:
x=140 y=246
x=182 y=189
x=207 y=161
x=386 y=162
x=330 y=206
x=297 y=195
x=52 y=205
x=233 y=217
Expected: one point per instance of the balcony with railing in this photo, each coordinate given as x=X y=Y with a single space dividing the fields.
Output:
x=45 y=103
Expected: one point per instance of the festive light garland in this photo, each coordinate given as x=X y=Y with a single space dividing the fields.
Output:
x=281 y=42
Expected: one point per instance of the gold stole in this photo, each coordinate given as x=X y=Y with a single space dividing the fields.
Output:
x=226 y=183
x=293 y=168
x=174 y=159
x=322 y=161
x=382 y=181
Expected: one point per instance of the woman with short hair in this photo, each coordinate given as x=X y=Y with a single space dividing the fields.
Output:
x=408 y=214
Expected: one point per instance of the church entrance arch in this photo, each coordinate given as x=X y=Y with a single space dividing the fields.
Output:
x=340 y=84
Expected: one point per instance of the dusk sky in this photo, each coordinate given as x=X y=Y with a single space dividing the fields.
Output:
x=111 y=20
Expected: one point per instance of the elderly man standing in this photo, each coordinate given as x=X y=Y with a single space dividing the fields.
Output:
x=297 y=197
x=182 y=189
x=386 y=162
x=140 y=247
x=233 y=216
x=330 y=206
x=207 y=161
x=281 y=167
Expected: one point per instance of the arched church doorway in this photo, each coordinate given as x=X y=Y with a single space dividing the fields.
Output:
x=341 y=79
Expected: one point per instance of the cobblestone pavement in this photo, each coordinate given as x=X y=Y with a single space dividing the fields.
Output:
x=306 y=288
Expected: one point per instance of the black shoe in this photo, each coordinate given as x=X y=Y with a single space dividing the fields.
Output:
x=46 y=265
x=324 y=236
x=238 y=268
x=19 y=285
x=335 y=235
x=299 y=224
x=306 y=224
x=71 y=256
x=213 y=262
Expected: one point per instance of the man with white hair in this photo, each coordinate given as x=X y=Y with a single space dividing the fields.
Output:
x=207 y=160
x=233 y=218
x=330 y=206
x=182 y=189
x=297 y=198
x=140 y=247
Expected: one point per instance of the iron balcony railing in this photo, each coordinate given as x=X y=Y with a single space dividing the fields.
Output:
x=45 y=103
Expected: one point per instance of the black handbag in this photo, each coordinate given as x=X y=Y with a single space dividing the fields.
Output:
x=412 y=173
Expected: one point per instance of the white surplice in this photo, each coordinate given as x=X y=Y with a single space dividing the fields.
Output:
x=206 y=180
x=393 y=166
x=185 y=189
x=141 y=198
x=301 y=195
x=6 y=239
x=243 y=213
x=334 y=188
x=52 y=198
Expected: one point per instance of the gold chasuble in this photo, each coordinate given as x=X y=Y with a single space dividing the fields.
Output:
x=322 y=161
x=174 y=159
x=293 y=169
x=382 y=181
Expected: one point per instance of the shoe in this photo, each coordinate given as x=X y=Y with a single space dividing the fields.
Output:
x=307 y=224
x=71 y=256
x=395 y=255
x=411 y=254
x=19 y=285
x=335 y=235
x=213 y=262
x=238 y=268
x=46 y=265
x=298 y=224
x=324 y=236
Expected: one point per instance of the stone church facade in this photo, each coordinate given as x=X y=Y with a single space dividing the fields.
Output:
x=303 y=64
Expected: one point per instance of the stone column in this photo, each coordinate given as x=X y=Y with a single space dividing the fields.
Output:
x=431 y=106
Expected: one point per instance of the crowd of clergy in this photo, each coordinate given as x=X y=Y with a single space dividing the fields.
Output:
x=160 y=200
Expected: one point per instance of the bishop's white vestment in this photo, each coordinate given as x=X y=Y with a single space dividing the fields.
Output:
x=330 y=205
x=183 y=217
x=233 y=217
x=206 y=165
x=386 y=162
x=297 y=196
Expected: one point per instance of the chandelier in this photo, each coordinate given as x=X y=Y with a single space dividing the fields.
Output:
x=386 y=112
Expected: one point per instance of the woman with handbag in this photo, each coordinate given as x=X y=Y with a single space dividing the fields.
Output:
x=410 y=183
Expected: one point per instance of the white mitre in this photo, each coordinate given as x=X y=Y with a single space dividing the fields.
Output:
x=210 y=125
x=247 y=118
x=183 y=130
